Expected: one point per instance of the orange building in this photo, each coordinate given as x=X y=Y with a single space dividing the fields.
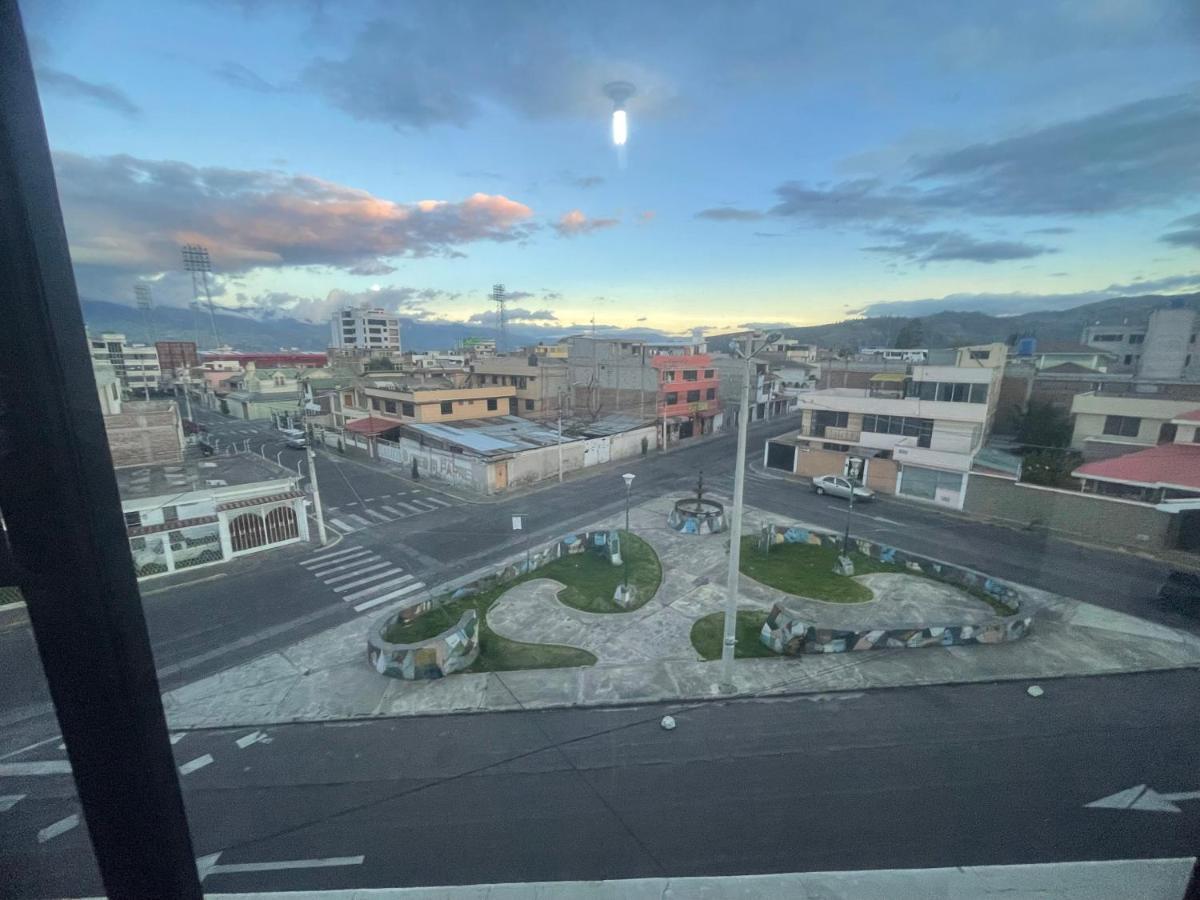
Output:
x=688 y=401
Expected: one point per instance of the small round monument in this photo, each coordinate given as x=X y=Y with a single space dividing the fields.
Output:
x=696 y=515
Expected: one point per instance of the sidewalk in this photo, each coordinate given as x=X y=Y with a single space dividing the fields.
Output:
x=644 y=657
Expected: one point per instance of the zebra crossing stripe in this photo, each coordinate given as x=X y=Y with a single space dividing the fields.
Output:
x=324 y=556
x=375 y=588
x=369 y=578
x=361 y=571
x=395 y=512
x=359 y=520
x=341 y=565
x=424 y=500
x=375 y=515
x=438 y=500
x=410 y=507
x=343 y=527
x=378 y=601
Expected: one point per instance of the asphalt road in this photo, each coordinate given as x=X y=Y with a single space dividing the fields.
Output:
x=208 y=620
x=936 y=776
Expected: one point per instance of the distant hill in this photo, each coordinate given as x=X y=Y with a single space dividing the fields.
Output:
x=954 y=329
x=266 y=332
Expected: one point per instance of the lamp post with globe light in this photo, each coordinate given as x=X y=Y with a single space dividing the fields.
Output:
x=628 y=476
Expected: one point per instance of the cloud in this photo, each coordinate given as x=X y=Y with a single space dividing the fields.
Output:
x=729 y=214
x=1022 y=302
x=768 y=234
x=371 y=267
x=583 y=181
x=513 y=316
x=240 y=76
x=130 y=215
x=767 y=326
x=573 y=223
x=1184 y=237
x=67 y=85
x=641 y=318
x=1056 y=229
x=945 y=246
x=411 y=302
x=647 y=215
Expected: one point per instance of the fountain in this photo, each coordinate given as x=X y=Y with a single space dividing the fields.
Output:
x=695 y=515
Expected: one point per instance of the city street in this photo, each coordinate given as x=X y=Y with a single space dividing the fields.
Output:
x=936 y=776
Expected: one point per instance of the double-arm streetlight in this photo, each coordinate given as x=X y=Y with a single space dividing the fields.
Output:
x=628 y=476
x=739 y=482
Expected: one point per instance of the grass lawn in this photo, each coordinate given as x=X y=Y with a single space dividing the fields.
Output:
x=807 y=570
x=590 y=581
x=708 y=633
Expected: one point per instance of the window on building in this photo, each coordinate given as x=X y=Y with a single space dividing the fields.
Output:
x=980 y=354
x=1128 y=358
x=710 y=394
x=529 y=405
x=709 y=373
x=170 y=514
x=491 y=404
x=693 y=396
x=348 y=399
x=389 y=406
x=134 y=519
x=690 y=375
x=668 y=375
x=521 y=382
x=671 y=399
x=926 y=484
x=1137 y=338
x=407 y=409
x=1106 y=338
x=1122 y=426
x=375 y=404
x=447 y=408
x=979 y=393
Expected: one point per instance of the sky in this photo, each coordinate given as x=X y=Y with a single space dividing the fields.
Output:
x=788 y=162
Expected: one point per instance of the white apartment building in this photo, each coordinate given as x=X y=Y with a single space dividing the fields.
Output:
x=915 y=434
x=365 y=330
x=1164 y=348
x=136 y=365
x=1107 y=425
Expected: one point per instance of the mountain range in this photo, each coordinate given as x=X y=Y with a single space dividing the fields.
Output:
x=269 y=330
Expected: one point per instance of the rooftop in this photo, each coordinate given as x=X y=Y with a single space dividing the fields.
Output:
x=196 y=473
x=1166 y=466
x=490 y=437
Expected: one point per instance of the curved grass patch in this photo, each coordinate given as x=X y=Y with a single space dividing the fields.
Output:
x=591 y=580
x=709 y=632
x=806 y=570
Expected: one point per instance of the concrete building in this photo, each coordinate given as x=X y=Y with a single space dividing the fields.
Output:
x=144 y=432
x=202 y=511
x=767 y=398
x=915 y=434
x=376 y=406
x=1107 y=425
x=542 y=383
x=262 y=393
x=479 y=348
x=136 y=365
x=559 y=350
x=894 y=354
x=365 y=329
x=1163 y=348
x=108 y=386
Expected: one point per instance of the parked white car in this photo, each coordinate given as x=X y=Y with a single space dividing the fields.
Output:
x=837 y=486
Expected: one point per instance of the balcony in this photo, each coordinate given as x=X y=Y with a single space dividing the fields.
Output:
x=842 y=435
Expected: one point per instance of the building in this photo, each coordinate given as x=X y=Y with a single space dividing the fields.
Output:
x=108 y=386
x=144 y=432
x=376 y=406
x=262 y=393
x=136 y=365
x=1108 y=425
x=434 y=359
x=542 y=382
x=294 y=359
x=366 y=330
x=767 y=398
x=559 y=350
x=176 y=355
x=1163 y=348
x=894 y=354
x=201 y=511
x=478 y=348
x=915 y=433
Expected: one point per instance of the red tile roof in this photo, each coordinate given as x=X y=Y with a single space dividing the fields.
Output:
x=1192 y=415
x=1167 y=465
x=371 y=425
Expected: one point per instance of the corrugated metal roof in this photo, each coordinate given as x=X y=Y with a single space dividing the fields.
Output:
x=488 y=437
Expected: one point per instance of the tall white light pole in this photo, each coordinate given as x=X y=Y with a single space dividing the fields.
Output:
x=735 y=532
x=197 y=261
x=312 y=474
x=628 y=476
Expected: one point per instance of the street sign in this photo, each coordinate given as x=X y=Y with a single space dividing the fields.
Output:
x=1144 y=799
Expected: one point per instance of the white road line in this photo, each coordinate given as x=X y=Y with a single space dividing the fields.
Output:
x=352 y=503
x=346 y=529
x=198 y=763
x=377 y=515
x=382 y=564
x=324 y=556
x=8 y=801
x=408 y=589
x=410 y=507
x=395 y=512
x=369 y=578
x=57 y=737
x=207 y=865
x=346 y=562
x=359 y=520
x=367 y=592
x=176 y=738
x=36 y=767
x=59 y=827
x=423 y=500
x=438 y=500
x=254 y=737
x=367 y=499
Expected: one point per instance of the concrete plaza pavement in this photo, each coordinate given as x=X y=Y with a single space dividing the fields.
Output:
x=645 y=655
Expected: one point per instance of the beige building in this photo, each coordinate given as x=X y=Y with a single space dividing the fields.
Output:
x=404 y=402
x=541 y=382
x=1107 y=425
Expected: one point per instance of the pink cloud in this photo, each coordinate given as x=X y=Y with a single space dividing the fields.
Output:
x=575 y=222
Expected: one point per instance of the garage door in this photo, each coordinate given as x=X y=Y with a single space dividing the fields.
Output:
x=781 y=456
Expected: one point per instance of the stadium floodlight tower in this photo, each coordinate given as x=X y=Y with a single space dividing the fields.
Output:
x=196 y=261
x=619 y=93
x=146 y=304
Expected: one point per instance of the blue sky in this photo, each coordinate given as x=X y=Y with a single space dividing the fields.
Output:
x=787 y=161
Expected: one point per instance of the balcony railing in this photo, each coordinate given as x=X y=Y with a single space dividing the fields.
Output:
x=842 y=435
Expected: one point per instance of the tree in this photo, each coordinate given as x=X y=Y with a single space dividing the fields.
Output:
x=1044 y=425
x=911 y=335
x=1051 y=468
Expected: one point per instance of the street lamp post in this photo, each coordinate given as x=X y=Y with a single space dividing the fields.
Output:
x=735 y=534
x=628 y=476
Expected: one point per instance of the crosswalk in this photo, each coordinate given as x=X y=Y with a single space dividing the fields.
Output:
x=354 y=517
x=362 y=577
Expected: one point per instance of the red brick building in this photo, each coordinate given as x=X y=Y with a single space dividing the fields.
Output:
x=688 y=396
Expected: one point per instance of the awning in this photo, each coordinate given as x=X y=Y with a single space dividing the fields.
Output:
x=889 y=376
x=259 y=501
x=371 y=426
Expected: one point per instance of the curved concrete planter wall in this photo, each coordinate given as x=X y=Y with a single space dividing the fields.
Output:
x=451 y=651
x=785 y=632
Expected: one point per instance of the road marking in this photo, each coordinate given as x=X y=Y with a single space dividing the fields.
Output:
x=207 y=865
x=8 y=801
x=359 y=520
x=1145 y=799
x=368 y=604
x=410 y=507
x=438 y=500
x=59 y=827
x=36 y=767
x=366 y=592
x=376 y=515
x=888 y=521
x=369 y=578
x=343 y=527
x=352 y=503
x=367 y=499
x=395 y=512
x=176 y=738
x=423 y=500
x=254 y=737
x=324 y=556
x=198 y=763
x=347 y=562
x=382 y=564
x=57 y=737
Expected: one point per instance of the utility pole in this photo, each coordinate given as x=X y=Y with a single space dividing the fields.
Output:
x=312 y=474
x=735 y=535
